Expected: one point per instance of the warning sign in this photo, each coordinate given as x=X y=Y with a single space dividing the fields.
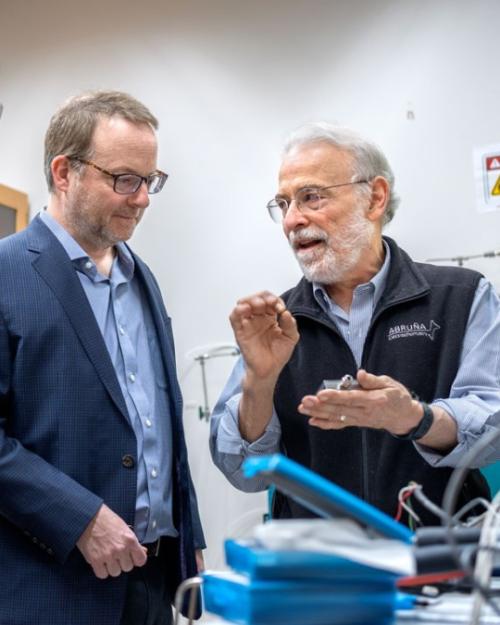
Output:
x=492 y=162
x=496 y=188
x=487 y=175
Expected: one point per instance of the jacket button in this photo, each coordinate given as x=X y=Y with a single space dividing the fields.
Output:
x=128 y=461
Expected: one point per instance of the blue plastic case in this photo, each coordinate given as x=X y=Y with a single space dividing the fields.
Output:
x=322 y=496
x=266 y=564
x=251 y=602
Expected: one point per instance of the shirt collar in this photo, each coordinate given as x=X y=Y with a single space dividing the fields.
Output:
x=79 y=256
x=377 y=284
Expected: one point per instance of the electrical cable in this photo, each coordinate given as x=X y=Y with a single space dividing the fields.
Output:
x=404 y=494
x=427 y=503
x=429 y=578
x=450 y=498
x=484 y=560
x=435 y=535
x=437 y=556
x=477 y=501
x=458 y=475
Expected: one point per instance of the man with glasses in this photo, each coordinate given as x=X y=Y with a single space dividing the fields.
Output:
x=420 y=342
x=98 y=515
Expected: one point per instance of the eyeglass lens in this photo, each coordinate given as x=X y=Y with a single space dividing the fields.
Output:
x=130 y=183
x=310 y=199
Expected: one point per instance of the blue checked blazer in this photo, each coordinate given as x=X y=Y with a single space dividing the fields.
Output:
x=64 y=432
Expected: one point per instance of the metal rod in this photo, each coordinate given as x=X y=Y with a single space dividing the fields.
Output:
x=216 y=352
x=192 y=584
x=461 y=259
x=205 y=412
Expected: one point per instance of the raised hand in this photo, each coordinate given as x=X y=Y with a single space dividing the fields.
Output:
x=265 y=332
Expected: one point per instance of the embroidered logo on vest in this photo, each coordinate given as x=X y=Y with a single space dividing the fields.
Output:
x=406 y=330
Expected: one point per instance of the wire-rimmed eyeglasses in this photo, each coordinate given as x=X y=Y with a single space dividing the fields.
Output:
x=306 y=199
x=126 y=184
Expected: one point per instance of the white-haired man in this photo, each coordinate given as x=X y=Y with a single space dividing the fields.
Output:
x=421 y=341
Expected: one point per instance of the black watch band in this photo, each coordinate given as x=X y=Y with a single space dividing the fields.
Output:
x=423 y=426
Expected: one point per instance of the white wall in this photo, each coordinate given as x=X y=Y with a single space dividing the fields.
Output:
x=228 y=80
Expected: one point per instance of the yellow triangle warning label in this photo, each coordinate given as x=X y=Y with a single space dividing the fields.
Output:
x=496 y=188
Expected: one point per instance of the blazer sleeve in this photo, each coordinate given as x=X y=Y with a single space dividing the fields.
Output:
x=44 y=503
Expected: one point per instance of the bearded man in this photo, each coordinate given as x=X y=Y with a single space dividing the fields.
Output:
x=98 y=515
x=421 y=341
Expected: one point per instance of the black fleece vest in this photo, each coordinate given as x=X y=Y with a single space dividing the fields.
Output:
x=416 y=337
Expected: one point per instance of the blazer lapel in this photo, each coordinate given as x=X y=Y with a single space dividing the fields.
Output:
x=54 y=266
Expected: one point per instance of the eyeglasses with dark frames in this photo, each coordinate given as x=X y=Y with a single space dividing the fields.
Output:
x=126 y=184
x=306 y=199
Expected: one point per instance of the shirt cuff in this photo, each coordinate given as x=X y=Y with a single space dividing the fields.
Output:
x=229 y=438
x=472 y=422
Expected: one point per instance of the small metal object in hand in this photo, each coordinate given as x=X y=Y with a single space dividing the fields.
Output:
x=346 y=383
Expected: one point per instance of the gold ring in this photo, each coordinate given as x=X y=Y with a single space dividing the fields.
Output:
x=342 y=418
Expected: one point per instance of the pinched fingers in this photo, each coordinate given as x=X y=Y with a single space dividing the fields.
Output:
x=263 y=303
x=261 y=310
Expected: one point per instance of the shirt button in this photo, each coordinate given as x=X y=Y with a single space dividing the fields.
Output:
x=131 y=377
x=148 y=423
x=153 y=524
x=88 y=265
x=121 y=330
x=154 y=473
x=128 y=461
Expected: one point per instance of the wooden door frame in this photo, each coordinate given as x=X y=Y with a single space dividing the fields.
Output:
x=17 y=201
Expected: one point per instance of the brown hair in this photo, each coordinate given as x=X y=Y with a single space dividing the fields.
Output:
x=72 y=126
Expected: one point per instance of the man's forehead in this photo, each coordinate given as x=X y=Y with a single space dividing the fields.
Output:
x=121 y=142
x=315 y=160
x=110 y=130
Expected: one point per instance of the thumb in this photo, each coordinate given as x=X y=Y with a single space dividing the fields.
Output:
x=287 y=323
x=370 y=382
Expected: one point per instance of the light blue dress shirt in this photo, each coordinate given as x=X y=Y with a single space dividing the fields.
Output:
x=127 y=327
x=474 y=400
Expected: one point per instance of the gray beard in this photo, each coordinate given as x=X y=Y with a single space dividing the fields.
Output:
x=335 y=262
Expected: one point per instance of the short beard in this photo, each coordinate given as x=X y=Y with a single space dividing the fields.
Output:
x=342 y=250
x=77 y=218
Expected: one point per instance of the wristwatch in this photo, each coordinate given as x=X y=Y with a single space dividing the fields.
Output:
x=422 y=427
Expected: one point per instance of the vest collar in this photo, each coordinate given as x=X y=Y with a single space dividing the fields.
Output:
x=404 y=282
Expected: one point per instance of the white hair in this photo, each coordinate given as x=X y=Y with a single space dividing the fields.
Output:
x=369 y=160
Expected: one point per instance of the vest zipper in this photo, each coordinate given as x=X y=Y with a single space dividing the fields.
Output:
x=365 y=495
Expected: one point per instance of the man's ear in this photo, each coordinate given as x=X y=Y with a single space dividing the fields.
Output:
x=379 y=198
x=61 y=170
